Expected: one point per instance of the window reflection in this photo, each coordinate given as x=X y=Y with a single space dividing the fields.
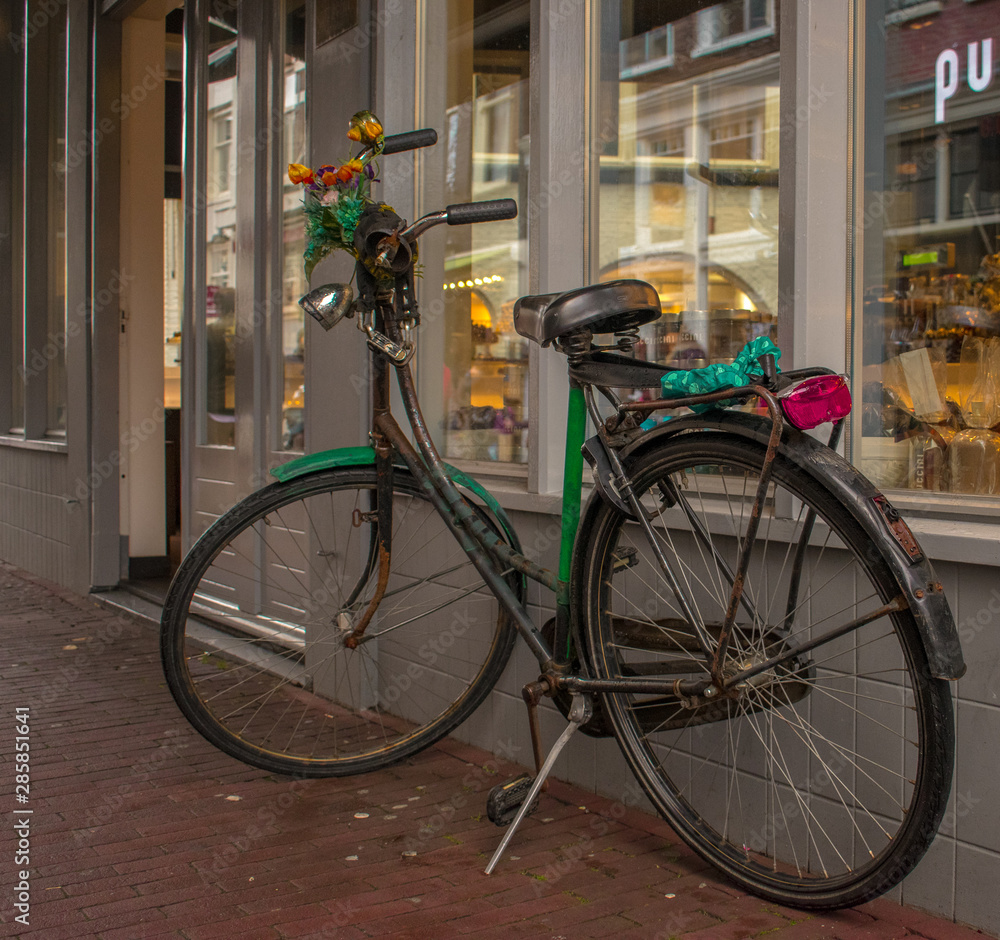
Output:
x=55 y=371
x=931 y=227
x=220 y=228
x=485 y=373
x=292 y=433
x=689 y=173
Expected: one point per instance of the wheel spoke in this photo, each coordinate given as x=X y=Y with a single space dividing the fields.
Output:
x=255 y=627
x=807 y=775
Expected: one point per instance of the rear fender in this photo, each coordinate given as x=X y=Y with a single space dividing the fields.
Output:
x=872 y=511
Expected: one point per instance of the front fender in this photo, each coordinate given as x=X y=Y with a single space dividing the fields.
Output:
x=865 y=503
x=365 y=456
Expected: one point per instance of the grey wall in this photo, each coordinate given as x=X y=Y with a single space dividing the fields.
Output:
x=36 y=522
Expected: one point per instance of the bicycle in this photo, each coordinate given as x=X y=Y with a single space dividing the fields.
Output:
x=736 y=604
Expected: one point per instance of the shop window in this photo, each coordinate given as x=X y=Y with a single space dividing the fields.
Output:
x=930 y=345
x=473 y=363
x=293 y=285
x=688 y=196
x=34 y=206
x=219 y=361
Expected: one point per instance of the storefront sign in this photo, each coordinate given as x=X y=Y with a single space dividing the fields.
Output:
x=979 y=73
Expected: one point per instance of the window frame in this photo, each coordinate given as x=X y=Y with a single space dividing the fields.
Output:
x=24 y=270
x=564 y=46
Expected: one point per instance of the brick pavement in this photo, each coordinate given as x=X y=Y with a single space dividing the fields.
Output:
x=141 y=829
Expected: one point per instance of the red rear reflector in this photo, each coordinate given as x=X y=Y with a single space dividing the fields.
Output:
x=817 y=400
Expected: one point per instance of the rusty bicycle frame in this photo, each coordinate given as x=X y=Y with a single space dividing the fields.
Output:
x=493 y=558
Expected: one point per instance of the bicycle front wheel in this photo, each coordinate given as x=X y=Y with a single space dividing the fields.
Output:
x=253 y=628
x=818 y=782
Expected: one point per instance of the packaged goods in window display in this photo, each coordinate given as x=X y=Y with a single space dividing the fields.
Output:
x=936 y=405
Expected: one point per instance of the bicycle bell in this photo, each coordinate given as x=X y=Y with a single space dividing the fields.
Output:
x=328 y=304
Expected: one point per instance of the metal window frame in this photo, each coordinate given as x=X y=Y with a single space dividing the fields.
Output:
x=24 y=284
x=10 y=236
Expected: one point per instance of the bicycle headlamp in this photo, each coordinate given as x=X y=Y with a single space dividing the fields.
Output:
x=328 y=304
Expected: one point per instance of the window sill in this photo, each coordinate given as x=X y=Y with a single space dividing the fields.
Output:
x=949 y=535
x=731 y=42
x=918 y=10
x=56 y=447
x=653 y=65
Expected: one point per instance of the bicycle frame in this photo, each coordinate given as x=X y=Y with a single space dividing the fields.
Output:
x=493 y=558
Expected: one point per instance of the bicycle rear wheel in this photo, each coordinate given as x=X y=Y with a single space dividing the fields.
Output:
x=821 y=782
x=253 y=628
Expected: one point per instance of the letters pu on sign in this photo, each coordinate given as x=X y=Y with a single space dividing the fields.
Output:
x=978 y=73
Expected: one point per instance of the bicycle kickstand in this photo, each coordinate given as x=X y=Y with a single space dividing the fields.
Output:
x=579 y=713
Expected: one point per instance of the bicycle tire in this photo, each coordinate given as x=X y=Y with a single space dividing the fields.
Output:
x=252 y=628
x=822 y=784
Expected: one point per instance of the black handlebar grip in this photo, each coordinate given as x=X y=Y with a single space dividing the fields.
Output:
x=493 y=210
x=411 y=140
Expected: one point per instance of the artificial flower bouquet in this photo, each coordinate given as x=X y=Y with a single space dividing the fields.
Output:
x=335 y=196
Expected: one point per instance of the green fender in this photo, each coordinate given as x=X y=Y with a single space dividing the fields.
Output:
x=365 y=456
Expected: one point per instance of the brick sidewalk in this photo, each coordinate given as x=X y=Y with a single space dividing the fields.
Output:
x=140 y=829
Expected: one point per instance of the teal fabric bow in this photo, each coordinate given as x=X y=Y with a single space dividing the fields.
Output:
x=742 y=371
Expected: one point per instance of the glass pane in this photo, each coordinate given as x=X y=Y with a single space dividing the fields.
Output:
x=220 y=228
x=173 y=299
x=55 y=345
x=12 y=224
x=293 y=242
x=689 y=178
x=483 y=87
x=931 y=230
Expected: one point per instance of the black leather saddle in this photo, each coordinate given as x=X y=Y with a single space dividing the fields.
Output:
x=611 y=307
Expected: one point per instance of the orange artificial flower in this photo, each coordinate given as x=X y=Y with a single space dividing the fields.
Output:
x=298 y=173
x=330 y=176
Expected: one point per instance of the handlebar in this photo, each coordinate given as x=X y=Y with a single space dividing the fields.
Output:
x=411 y=140
x=492 y=210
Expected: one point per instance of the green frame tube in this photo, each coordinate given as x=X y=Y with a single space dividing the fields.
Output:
x=576 y=429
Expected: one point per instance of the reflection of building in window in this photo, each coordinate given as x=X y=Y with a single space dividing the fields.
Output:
x=220 y=251
x=484 y=366
x=931 y=222
x=293 y=285
x=496 y=130
x=173 y=285
x=295 y=112
x=647 y=52
x=220 y=172
x=732 y=23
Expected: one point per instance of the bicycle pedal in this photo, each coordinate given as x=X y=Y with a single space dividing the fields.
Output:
x=505 y=800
